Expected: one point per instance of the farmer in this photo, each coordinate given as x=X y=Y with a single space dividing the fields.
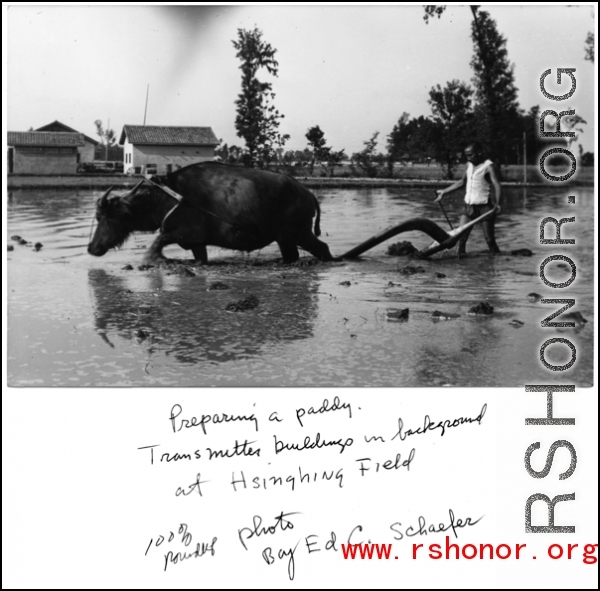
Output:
x=478 y=177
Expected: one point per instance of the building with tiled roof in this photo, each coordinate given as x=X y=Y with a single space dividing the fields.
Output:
x=162 y=149
x=43 y=152
x=86 y=152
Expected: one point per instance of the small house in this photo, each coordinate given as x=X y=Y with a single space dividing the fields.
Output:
x=160 y=150
x=86 y=152
x=43 y=152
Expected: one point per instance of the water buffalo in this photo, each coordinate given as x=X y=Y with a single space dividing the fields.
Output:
x=213 y=204
x=239 y=208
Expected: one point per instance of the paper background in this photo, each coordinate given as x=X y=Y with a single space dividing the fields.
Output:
x=81 y=502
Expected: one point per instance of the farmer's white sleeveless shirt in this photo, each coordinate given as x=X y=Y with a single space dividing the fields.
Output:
x=478 y=189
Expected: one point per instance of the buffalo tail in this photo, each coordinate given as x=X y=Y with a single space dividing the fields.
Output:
x=318 y=220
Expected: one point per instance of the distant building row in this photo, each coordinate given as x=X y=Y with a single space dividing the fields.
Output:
x=58 y=149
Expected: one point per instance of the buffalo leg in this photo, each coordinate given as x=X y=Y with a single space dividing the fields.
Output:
x=289 y=251
x=199 y=251
x=154 y=253
x=317 y=248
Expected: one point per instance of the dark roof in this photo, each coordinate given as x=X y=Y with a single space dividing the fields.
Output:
x=168 y=136
x=44 y=138
x=58 y=126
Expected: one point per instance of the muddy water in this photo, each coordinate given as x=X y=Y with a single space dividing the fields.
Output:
x=76 y=320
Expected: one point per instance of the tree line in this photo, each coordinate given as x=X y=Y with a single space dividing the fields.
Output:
x=486 y=110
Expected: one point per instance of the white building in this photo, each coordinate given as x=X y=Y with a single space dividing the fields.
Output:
x=160 y=150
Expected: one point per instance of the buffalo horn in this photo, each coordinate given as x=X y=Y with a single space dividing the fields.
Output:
x=132 y=191
x=102 y=201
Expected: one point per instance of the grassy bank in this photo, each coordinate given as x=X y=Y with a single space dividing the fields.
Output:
x=510 y=174
x=419 y=175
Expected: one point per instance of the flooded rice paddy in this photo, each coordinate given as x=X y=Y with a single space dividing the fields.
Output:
x=76 y=320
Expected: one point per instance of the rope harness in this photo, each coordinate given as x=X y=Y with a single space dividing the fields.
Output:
x=152 y=180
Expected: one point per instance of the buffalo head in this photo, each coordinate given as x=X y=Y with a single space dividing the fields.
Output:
x=114 y=223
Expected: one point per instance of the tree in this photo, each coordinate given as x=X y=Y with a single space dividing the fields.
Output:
x=321 y=153
x=432 y=10
x=572 y=124
x=316 y=139
x=422 y=138
x=257 y=121
x=497 y=108
x=367 y=161
x=398 y=141
x=222 y=152
x=107 y=137
x=332 y=159
x=453 y=122
x=234 y=155
x=589 y=47
x=410 y=139
x=587 y=159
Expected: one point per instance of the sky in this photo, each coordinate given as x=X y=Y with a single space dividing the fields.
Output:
x=353 y=70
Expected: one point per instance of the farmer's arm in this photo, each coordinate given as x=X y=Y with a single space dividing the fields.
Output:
x=453 y=187
x=493 y=179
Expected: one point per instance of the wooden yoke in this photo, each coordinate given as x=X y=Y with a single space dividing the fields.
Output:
x=156 y=182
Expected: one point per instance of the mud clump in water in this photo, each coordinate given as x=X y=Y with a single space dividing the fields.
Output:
x=521 y=252
x=573 y=317
x=440 y=275
x=141 y=335
x=437 y=315
x=37 y=246
x=127 y=268
x=218 y=285
x=482 y=308
x=10 y=247
x=401 y=315
x=182 y=271
x=18 y=239
x=403 y=248
x=346 y=283
x=410 y=270
x=242 y=305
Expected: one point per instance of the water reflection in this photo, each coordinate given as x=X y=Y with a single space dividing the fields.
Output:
x=183 y=318
x=475 y=340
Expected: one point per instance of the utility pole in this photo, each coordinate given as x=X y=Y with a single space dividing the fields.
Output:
x=106 y=138
x=146 y=107
x=524 y=158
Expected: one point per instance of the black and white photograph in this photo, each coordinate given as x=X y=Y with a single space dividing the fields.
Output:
x=271 y=266
x=198 y=201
